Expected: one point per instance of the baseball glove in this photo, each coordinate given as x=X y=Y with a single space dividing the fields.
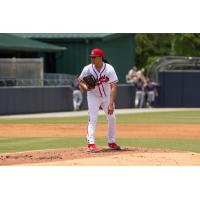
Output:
x=90 y=81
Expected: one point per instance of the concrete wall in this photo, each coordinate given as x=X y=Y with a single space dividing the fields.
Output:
x=179 y=89
x=16 y=100
x=35 y=100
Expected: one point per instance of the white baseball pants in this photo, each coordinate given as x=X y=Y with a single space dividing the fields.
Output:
x=94 y=103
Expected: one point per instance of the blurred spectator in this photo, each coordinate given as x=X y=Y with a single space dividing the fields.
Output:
x=132 y=77
x=151 y=92
x=77 y=94
x=141 y=74
x=139 y=95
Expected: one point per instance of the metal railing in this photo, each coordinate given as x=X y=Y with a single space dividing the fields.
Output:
x=173 y=63
x=11 y=82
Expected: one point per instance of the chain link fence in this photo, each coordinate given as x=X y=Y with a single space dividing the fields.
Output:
x=30 y=72
x=21 y=72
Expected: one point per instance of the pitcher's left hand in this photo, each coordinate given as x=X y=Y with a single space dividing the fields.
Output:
x=110 y=109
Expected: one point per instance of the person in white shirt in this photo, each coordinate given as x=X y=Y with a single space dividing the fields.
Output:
x=103 y=95
x=132 y=76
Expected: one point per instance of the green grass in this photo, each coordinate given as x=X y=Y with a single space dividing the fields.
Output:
x=28 y=144
x=179 y=117
x=36 y=143
x=192 y=145
x=57 y=120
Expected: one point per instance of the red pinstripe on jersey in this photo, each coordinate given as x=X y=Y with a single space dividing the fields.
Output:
x=97 y=79
x=104 y=78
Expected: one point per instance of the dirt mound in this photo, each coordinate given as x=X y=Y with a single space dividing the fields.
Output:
x=80 y=157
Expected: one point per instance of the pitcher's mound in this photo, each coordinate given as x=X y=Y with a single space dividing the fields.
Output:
x=127 y=156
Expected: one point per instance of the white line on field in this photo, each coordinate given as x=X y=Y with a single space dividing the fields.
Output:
x=85 y=113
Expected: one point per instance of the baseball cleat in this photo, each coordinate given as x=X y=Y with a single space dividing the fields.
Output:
x=114 y=146
x=92 y=148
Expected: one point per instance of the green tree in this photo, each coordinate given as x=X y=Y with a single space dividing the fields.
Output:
x=186 y=44
x=150 y=46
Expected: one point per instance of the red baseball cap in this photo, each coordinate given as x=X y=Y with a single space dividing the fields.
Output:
x=96 y=52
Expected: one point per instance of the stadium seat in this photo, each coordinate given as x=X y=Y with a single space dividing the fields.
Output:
x=2 y=83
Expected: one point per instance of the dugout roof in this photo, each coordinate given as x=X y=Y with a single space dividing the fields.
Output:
x=70 y=36
x=13 y=42
x=63 y=35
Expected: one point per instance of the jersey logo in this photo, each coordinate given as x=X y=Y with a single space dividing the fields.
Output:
x=102 y=79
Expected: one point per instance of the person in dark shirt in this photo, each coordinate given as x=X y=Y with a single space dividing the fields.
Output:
x=77 y=94
x=151 y=91
x=139 y=95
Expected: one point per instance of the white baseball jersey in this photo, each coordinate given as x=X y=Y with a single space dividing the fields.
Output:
x=105 y=77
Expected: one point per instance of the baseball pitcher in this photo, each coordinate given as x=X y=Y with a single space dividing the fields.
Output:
x=99 y=79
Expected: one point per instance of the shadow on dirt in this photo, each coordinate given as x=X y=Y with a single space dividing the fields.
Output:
x=107 y=150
